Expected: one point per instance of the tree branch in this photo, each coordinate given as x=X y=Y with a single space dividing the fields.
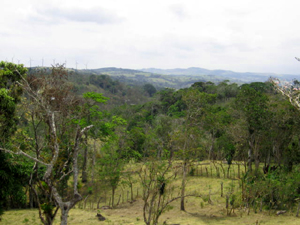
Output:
x=64 y=175
x=75 y=158
x=20 y=152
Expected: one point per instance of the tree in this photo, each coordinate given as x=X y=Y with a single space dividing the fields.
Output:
x=254 y=105
x=291 y=90
x=196 y=102
x=57 y=155
x=92 y=114
x=150 y=89
x=111 y=166
x=10 y=95
x=156 y=178
x=284 y=143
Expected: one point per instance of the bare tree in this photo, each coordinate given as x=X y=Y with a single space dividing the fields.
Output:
x=157 y=177
x=55 y=106
x=291 y=90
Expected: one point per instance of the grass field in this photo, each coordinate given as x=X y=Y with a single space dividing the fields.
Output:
x=198 y=210
x=132 y=214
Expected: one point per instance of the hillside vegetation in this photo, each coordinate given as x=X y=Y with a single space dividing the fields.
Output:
x=209 y=152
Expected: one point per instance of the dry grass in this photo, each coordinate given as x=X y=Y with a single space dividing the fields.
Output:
x=198 y=210
x=132 y=214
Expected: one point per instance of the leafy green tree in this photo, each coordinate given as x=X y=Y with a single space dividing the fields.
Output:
x=92 y=115
x=215 y=121
x=196 y=102
x=226 y=91
x=225 y=143
x=283 y=133
x=167 y=98
x=150 y=89
x=207 y=87
x=111 y=167
x=10 y=95
x=255 y=108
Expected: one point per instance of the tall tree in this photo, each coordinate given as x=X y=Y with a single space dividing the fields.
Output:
x=196 y=102
x=57 y=156
x=10 y=95
x=254 y=105
x=92 y=114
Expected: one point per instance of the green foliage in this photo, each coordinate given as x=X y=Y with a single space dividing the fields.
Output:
x=97 y=97
x=13 y=178
x=255 y=105
x=47 y=208
x=277 y=189
x=11 y=181
x=10 y=94
x=226 y=144
x=172 y=103
x=217 y=121
x=111 y=167
x=150 y=89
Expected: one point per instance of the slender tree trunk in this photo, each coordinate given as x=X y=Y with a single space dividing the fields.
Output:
x=112 y=197
x=250 y=156
x=49 y=219
x=131 y=190
x=269 y=157
x=182 y=208
x=85 y=156
x=94 y=162
x=31 y=198
x=298 y=209
x=211 y=149
x=257 y=162
x=228 y=170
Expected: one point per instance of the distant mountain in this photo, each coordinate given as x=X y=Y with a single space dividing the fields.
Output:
x=115 y=70
x=226 y=74
x=182 y=78
x=179 y=78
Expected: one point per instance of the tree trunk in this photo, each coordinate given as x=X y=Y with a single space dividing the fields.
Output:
x=131 y=190
x=31 y=198
x=49 y=220
x=228 y=170
x=211 y=148
x=182 y=208
x=94 y=162
x=257 y=162
x=250 y=156
x=269 y=157
x=298 y=209
x=112 y=197
x=64 y=216
x=85 y=156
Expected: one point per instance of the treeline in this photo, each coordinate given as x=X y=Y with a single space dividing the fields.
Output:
x=223 y=121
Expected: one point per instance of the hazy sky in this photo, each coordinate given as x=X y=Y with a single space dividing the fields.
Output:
x=238 y=35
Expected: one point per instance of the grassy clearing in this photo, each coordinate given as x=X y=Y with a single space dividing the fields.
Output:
x=198 y=212
x=210 y=209
x=131 y=214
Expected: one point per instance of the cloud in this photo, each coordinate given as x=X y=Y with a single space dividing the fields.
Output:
x=97 y=15
x=178 y=10
x=4 y=34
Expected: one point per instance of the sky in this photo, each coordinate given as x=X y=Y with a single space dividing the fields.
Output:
x=237 y=35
